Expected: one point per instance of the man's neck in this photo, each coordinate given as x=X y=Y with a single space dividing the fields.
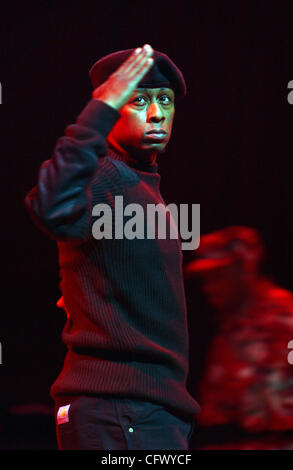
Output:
x=143 y=162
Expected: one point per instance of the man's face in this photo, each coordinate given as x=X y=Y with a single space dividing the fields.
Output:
x=145 y=125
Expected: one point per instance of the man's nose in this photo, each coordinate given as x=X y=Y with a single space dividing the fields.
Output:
x=154 y=113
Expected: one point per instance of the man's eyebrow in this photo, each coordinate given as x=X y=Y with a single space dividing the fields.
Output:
x=140 y=90
x=146 y=90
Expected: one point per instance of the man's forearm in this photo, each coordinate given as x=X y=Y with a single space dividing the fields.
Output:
x=60 y=203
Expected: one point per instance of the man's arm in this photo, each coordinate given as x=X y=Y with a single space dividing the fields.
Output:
x=60 y=203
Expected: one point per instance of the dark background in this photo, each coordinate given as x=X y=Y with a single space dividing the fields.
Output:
x=230 y=152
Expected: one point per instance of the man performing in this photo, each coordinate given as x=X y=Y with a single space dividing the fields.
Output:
x=123 y=384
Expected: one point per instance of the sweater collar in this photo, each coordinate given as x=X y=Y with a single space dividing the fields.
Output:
x=136 y=164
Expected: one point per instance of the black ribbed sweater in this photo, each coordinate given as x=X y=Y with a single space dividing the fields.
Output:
x=127 y=326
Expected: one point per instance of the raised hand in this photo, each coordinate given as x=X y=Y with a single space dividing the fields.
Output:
x=118 y=88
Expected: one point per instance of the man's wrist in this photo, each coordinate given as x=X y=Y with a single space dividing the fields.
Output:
x=96 y=95
x=98 y=115
x=108 y=102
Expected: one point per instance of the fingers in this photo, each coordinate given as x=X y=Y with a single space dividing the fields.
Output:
x=132 y=59
x=141 y=64
x=136 y=61
x=143 y=69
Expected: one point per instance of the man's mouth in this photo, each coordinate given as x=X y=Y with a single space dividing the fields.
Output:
x=156 y=134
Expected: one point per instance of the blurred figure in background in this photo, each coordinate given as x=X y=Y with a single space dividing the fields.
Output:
x=246 y=393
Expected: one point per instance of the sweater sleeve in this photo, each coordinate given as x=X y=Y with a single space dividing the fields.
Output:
x=60 y=203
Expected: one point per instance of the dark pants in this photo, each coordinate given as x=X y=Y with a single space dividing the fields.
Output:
x=112 y=423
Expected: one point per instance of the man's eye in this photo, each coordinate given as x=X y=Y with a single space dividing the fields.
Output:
x=139 y=100
x=165 y=99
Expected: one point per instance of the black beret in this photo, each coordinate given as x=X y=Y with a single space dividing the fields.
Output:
x=163 y=73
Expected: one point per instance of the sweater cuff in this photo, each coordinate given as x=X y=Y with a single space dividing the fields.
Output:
x=98 y=115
